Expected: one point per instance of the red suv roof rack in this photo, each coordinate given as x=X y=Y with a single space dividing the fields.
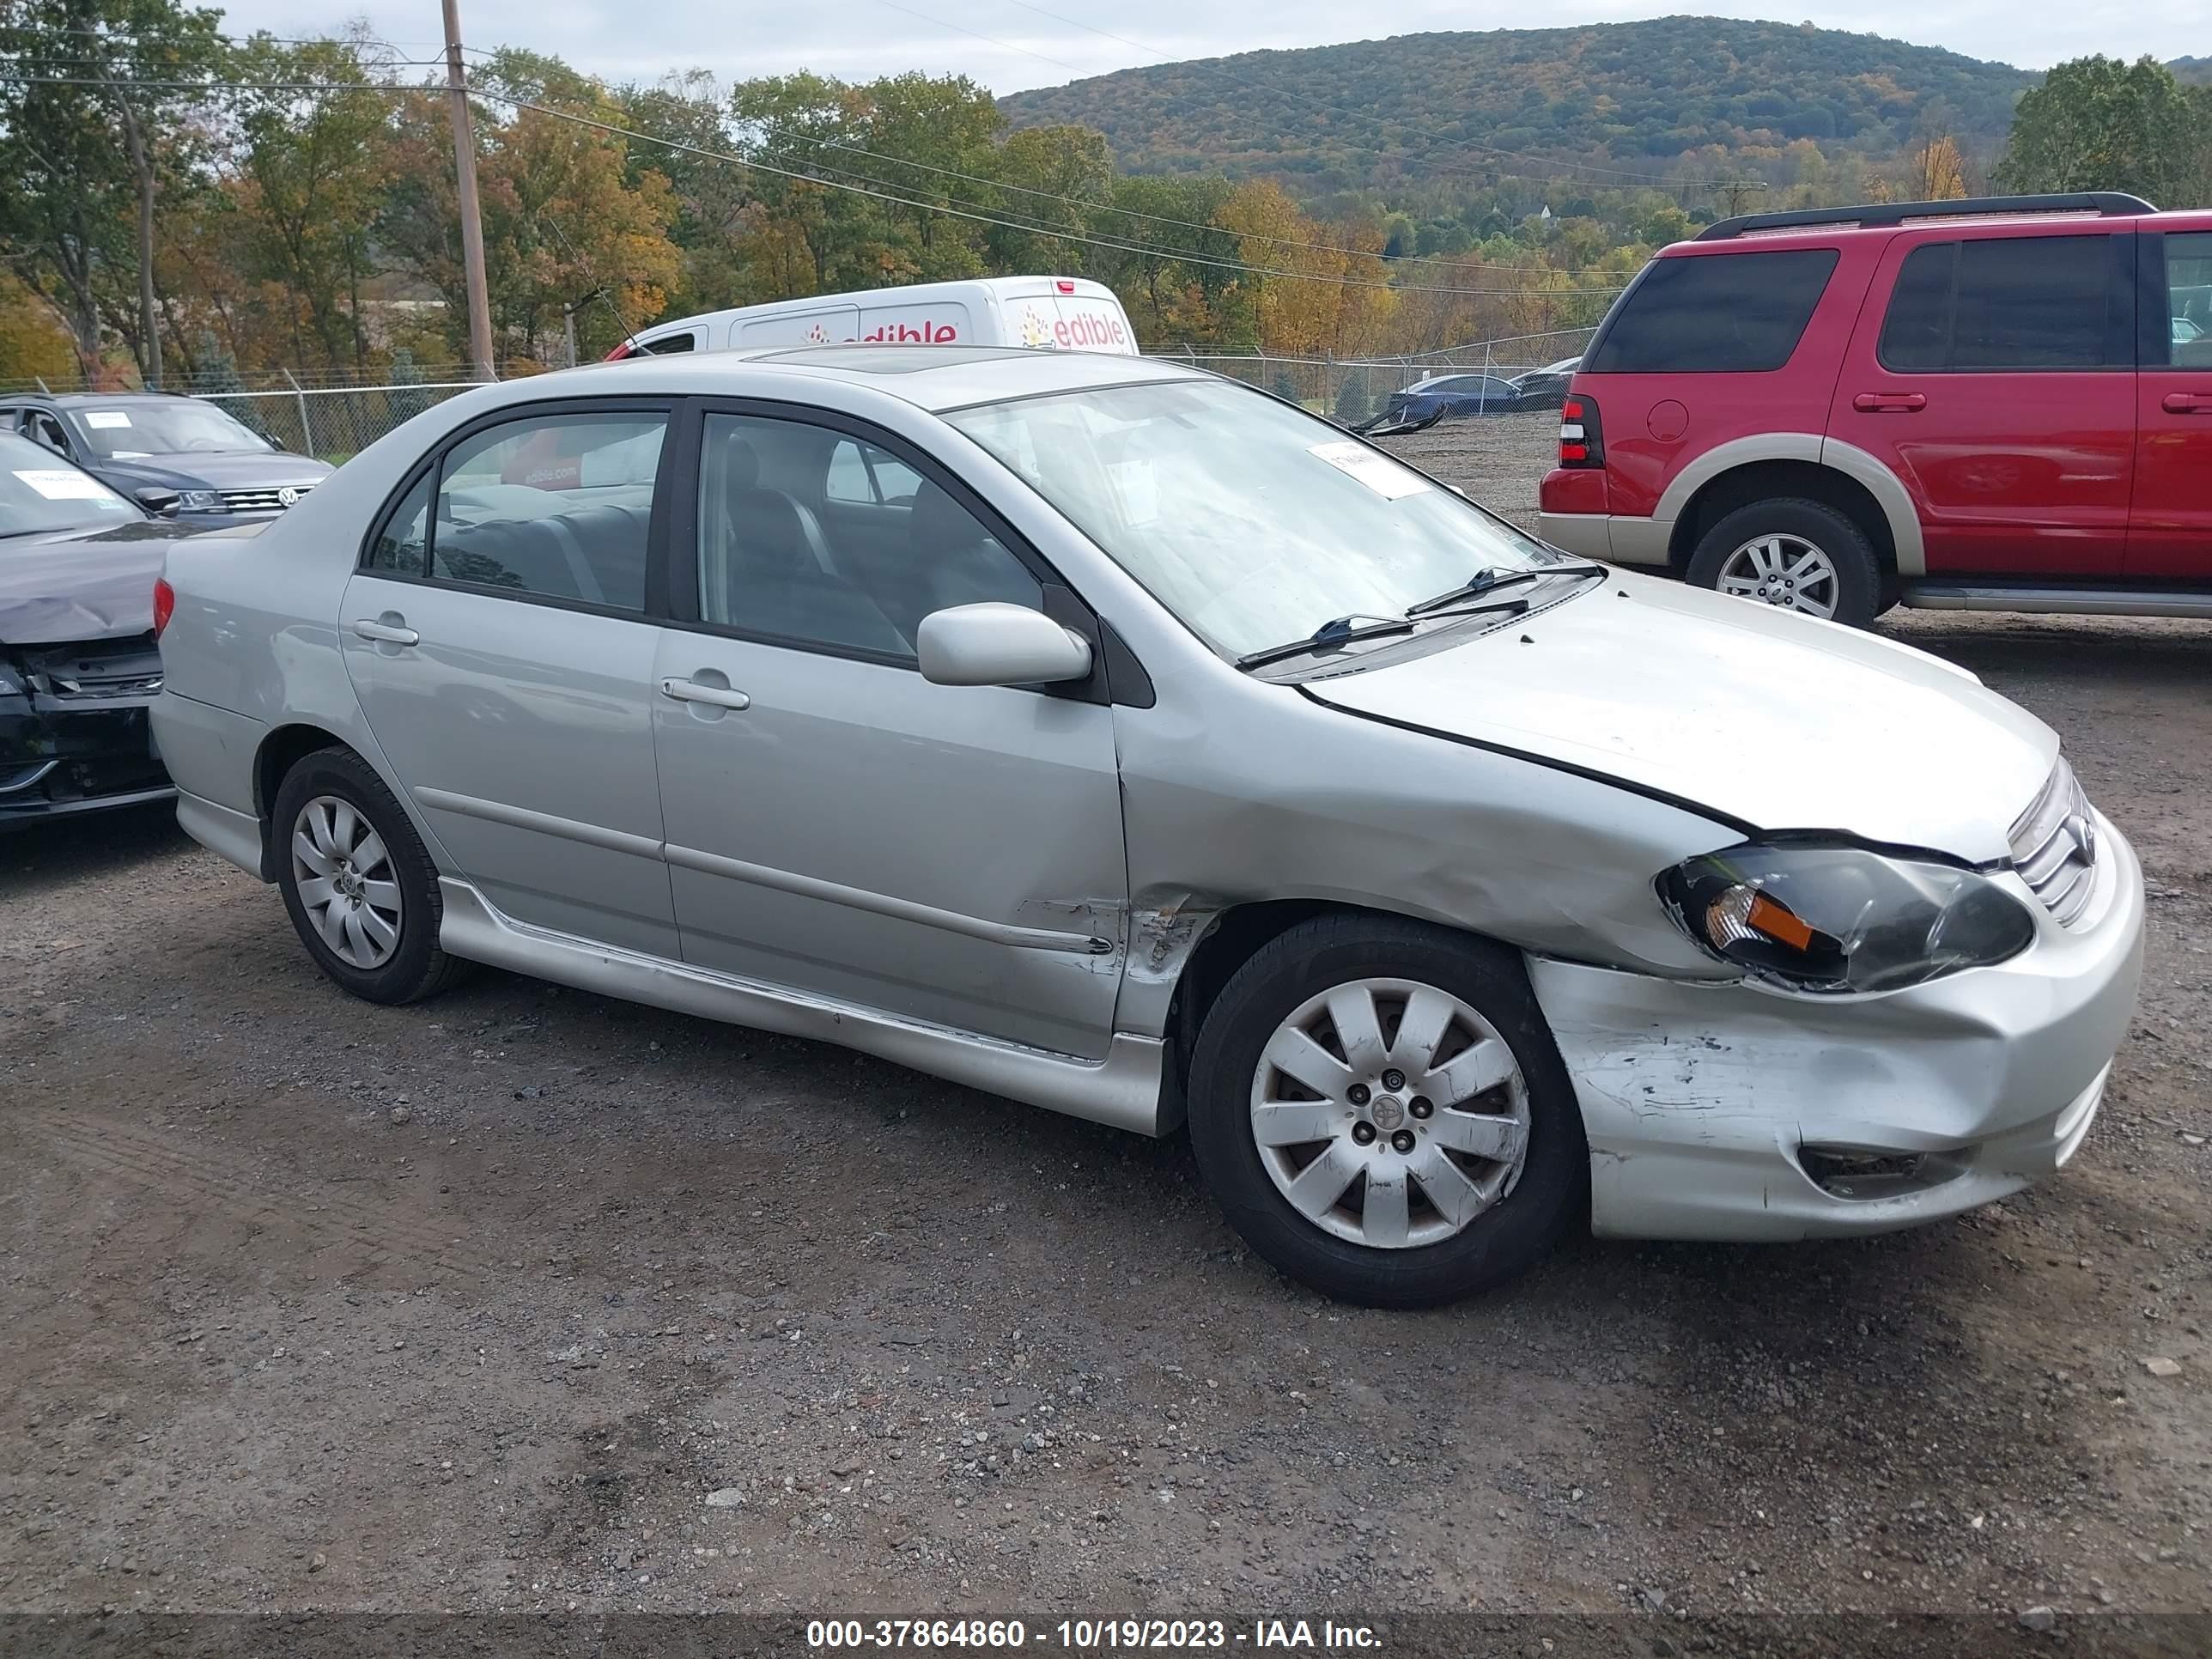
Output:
x=2109 y=204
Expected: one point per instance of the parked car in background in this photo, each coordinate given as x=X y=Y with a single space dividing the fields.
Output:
x=1054 y=313
x=78 y=668
x=1448 y=396
x=1118 y=738
x=2002 y=403
x=1545 y=387
x=168 y=453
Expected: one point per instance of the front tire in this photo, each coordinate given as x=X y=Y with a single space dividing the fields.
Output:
x=1379 y=1107
x=357 y=882
x=1795 y=555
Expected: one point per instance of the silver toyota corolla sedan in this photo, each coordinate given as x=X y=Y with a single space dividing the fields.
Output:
x=1120 y=739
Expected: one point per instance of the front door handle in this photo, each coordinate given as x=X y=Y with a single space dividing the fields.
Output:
x=1889 y=403
x=385 y=633
x=2187 y=403
x=721 y=697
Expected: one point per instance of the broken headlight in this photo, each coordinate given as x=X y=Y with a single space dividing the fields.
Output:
x=1839 y=919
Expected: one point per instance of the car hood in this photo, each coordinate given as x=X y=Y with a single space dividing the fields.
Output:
x=239 y=469
x=1770 y=719
x=91 y=584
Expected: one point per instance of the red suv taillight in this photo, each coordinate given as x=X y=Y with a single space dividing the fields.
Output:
x=1582 y=439
x=618 y=353
x=165 y=603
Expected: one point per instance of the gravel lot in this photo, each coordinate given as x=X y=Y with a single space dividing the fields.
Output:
x=524 y=1299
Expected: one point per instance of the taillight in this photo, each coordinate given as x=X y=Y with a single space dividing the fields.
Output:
x=165 y=603
x=1582 y=439
x=1066 y=285
x=617 y=354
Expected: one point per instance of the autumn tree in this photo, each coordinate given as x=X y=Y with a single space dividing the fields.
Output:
x=307 y=175
x=34 y=341
x=95 y=119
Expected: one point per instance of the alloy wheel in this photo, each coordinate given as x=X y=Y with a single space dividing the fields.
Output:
x=342 y=872
x=1782 y=570
x=1389 y=1113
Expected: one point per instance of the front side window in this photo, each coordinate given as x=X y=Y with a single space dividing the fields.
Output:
x=40 y=493
x=1252 y=521
x=558 y=505
x=802 y=538
x=171 y=426
x=2017 y=303
x=45 y=430
x=1713 y=314
x=2188 y=299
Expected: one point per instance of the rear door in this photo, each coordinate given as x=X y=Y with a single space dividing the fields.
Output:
x=1993 y=371
x=2170 y=529
x=497 y=637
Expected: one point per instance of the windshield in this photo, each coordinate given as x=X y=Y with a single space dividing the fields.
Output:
x=171 y=427
x=1253 y=522
x=40 y=493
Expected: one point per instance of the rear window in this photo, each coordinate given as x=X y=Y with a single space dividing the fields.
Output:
x=2009 y=303
x=1720 y=314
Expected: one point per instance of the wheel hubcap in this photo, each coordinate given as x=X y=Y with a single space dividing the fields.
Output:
x=1391 y=1113
x=346 y=883
x=1783 y=571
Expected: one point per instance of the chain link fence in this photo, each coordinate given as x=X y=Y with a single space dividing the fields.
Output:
x=332 y=417
x=331 y=422
x=1353 y=388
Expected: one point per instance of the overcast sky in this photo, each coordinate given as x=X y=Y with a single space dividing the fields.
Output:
x=1009 y=45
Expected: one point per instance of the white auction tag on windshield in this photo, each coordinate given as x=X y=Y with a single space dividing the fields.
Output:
x=57 y=484
x=1378 y=472
x=103 y=418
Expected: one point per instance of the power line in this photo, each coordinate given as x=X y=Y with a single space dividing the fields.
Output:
x=1054 y=232
x=786 y=135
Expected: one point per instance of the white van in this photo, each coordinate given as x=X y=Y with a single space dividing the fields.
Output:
x=1063 y=313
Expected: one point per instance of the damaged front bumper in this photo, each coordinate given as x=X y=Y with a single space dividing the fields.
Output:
x=1733 y=1112
x=74 y=735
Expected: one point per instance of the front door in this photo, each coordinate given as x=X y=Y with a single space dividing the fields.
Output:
x=1999 y=383
x=499 y=648
x=836 y=824
x=2170 y=531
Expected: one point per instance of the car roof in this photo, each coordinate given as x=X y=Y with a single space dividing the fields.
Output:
x=929 y=377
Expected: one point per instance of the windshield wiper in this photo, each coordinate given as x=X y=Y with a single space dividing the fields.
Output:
x=1489 y=580
x=1339 y=630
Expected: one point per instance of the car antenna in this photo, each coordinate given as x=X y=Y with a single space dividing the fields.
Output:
x=599 y=290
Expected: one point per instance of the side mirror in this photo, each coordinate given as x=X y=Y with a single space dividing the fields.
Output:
x=999 y=645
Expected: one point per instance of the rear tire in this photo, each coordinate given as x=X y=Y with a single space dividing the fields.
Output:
x=357 y=881
x=1795 y=555
x=1440 y=1156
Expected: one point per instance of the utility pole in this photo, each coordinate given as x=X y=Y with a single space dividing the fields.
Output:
x=1733 y=191
x=464 y=175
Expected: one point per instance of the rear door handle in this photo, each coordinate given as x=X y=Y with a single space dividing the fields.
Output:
x=2187 y=403
x=385 y=634
x=692 y=691
x=1889 y=403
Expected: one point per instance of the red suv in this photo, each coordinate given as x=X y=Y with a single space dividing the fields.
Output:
x=2002 y=403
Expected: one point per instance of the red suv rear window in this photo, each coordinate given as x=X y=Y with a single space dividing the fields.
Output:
x=1714 y=313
